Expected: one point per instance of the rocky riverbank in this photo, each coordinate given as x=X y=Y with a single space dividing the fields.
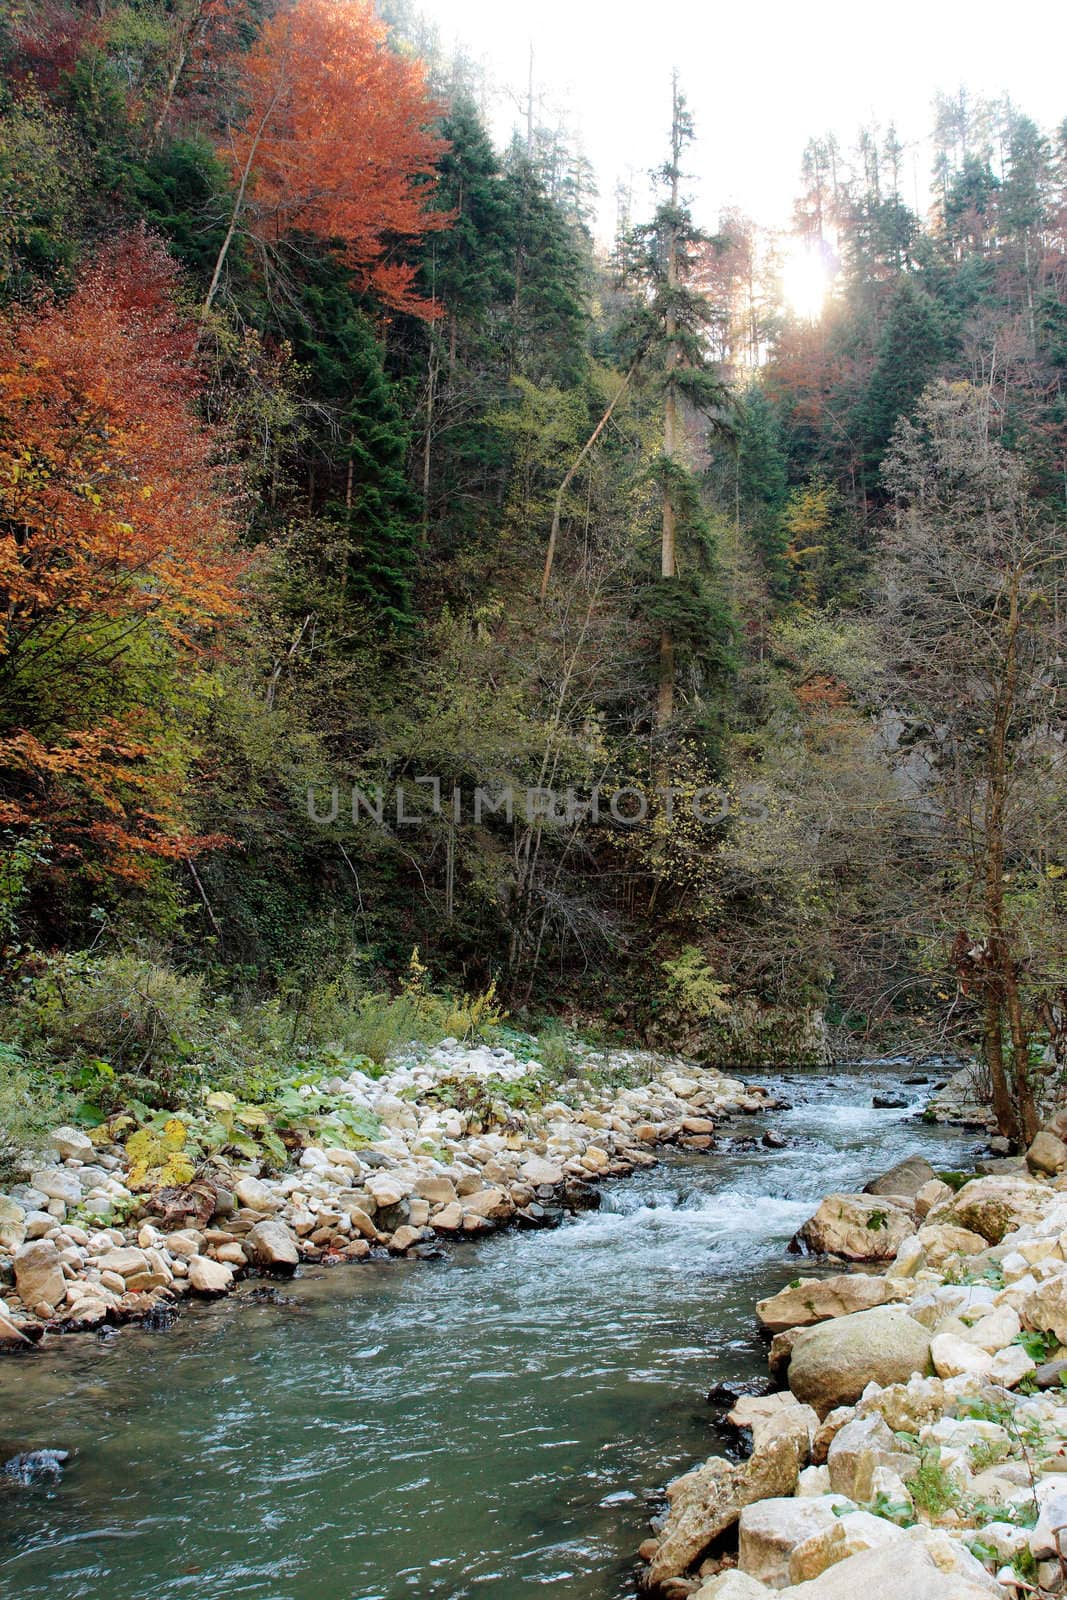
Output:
x=460 y=1146
x=917 y=1444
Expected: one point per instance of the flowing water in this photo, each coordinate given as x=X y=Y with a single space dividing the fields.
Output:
x=490 y=1426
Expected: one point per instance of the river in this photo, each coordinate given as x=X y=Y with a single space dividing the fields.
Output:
x=487 y=1427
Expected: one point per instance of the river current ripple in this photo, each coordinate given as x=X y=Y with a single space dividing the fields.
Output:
x=488 y=1427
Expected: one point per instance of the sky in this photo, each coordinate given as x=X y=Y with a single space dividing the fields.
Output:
x=761 y=78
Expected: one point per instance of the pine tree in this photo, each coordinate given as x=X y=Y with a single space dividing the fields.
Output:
x=670 y=327
x=360 y=480
x=911 y=347
x=762 y=483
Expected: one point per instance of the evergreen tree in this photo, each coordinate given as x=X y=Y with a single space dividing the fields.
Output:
x=762 y=482
x=358 y=475
x=910 y=351
x=670 y=329
x=549 y=319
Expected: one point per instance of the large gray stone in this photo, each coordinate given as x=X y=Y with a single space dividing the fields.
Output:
x=858 y=1227
x=904 y=1570
x=833 y=1363
x=39 y=1275
x=905 y=1179
x=814 y=1300
x=996 y=1205
x=708 y=1500
x=271 y=1245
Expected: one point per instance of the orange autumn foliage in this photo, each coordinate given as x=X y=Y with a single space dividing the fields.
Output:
x=116 y=558
x=337 y=142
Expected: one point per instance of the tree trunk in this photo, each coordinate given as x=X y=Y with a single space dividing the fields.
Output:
x=238 y=207
x=553 y=537
x=1000 y=955
x=187 y=39
x=427 y=443
x=668 y=551
x=993 y=1050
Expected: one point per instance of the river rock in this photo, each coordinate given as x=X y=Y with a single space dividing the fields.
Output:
x=125 y=1263
x=36 y=1466
x=439 y=1191
x=732 y=1585
x=753 y=1412
x=996 y=1205
x=271 y=1245
x=995 y=1330
x=12 y=1225
x=39 y=1274
x=905 y=1179
x=1045 y=1308
x=1047 y=1154
x=362 y=1223
x=10 y=1332
x=902 y=1570
x=71 y=1144
x=934 y=1193
x=942 y=1240
x=707 y=1501
x=58 y=1183
x=771 y=1530
x=859 y=1227
x=185 y=1243
x=256 y=1195
x=791 y=1541
x=491 y=1203
x=449 y=1219
x=537 y=1171
x=832 y=1363
x=1048 y=1536
x=856 y=1453
x=1011 y=1365
x=386 y=1189
x=820 y=1299
x=952 y=1357
x=210 y=1277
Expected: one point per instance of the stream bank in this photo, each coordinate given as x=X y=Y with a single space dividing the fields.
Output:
x=491 y=1425
x=917 y=1442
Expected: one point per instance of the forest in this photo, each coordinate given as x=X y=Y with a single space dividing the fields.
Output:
x=416 y=609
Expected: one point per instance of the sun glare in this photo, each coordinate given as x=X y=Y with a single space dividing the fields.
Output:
x=805 y=281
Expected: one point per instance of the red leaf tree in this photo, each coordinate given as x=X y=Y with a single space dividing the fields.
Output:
x=336 y=142
x=116 y=562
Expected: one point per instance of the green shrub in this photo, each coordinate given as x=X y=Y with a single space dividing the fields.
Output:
x=122 y=1028
x=557 y=1052
x=127 y=1031
x=380 y=1025
x=30 y=1107
x=931 y=1488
